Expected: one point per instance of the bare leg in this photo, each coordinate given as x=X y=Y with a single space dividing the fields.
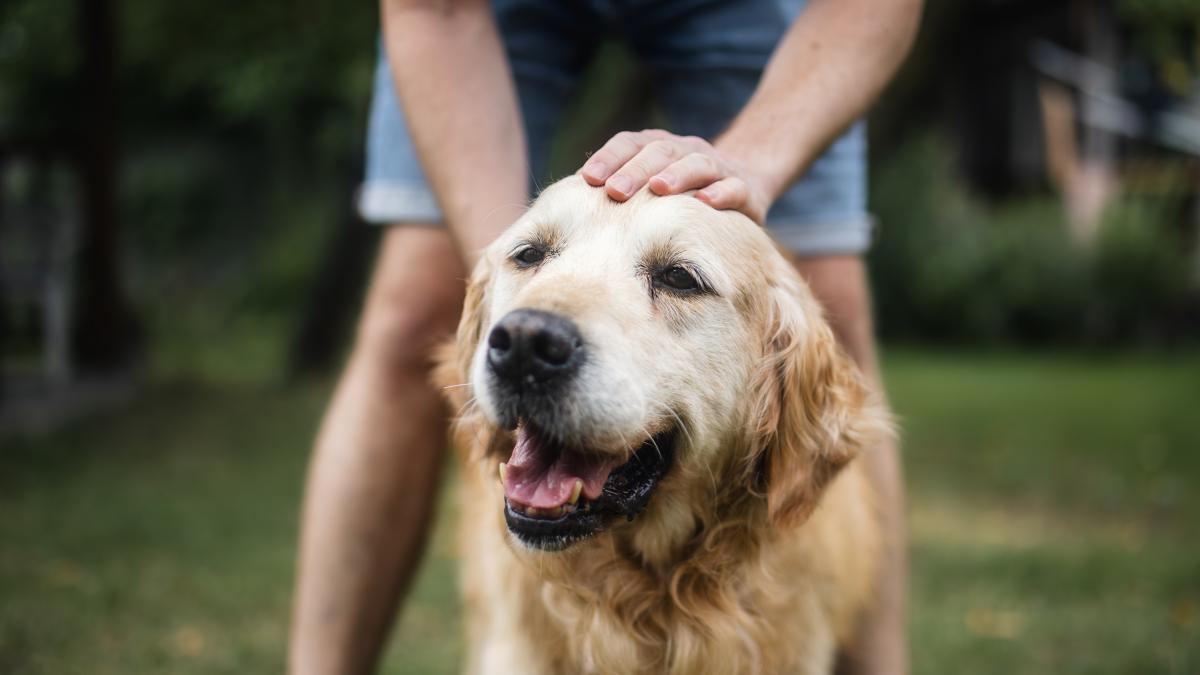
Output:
x=374 y=474
x=840 y=283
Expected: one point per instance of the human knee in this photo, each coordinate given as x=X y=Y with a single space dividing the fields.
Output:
x=399 y=336
x=851 y=323
x=840 y=284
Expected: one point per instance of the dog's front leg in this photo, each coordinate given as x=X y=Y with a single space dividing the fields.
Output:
x=503 y=655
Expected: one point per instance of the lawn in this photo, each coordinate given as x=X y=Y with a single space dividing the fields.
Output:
x=1053 y=505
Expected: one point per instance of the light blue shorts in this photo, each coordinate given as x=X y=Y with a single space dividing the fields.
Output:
x=705 y=59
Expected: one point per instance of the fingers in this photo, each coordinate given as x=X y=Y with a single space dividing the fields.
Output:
x=630 y=159
x=616 y=152
x=671 y=164
x=655 y=157
x=694 y=171
x=727 y=193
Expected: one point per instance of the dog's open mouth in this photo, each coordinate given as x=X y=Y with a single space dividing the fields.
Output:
x=555 y=495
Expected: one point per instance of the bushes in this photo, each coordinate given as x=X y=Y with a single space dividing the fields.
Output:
x=949 y=268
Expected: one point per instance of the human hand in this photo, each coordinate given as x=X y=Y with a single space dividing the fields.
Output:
x=672 y=164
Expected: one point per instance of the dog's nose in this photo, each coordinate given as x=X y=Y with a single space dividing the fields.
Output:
x=529 y=346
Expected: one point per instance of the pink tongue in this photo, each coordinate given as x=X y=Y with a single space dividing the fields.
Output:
x=543 y=476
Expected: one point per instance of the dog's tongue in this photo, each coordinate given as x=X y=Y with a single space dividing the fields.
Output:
x=543 y=475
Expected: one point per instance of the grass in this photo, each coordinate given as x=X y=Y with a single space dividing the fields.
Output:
x=1052 y=515
x=1052 y=512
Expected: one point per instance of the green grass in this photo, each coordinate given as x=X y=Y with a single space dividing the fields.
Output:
x=1052 y=510
x=1053 y=506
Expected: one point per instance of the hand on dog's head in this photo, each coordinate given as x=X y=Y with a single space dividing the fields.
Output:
x=596 y=328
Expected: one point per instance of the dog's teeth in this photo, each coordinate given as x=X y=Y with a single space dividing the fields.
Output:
x=533 y=512
x=555 y=512
x=503 y=471
x=575 y=492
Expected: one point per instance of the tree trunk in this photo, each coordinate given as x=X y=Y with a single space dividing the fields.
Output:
x=106 y=333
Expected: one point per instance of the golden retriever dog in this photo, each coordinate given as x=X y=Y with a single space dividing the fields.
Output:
x=659 y=435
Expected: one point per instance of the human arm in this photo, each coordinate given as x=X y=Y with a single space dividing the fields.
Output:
x=833 y=62
x=453 y=79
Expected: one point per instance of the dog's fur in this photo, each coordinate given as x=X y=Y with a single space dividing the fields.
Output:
x=759 y=546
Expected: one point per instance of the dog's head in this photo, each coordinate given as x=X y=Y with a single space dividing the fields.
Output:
x=650 y=356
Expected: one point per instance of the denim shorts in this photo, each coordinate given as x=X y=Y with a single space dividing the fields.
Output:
x=705 y=59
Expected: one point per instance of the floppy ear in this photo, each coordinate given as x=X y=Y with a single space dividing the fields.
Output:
x=470 y=327
x=813 y=408
x=473 y=435
x=454 y=357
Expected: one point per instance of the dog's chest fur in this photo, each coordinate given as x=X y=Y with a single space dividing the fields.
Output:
x=732 y=604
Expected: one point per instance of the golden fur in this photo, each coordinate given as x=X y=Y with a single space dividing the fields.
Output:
x=757 y=549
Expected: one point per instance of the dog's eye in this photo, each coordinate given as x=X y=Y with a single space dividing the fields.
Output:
x=677 y=278
x=529 y=256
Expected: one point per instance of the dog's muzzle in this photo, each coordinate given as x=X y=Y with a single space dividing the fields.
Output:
x=557 y=490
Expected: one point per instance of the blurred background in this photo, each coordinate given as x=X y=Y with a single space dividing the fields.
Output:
x=181 y=267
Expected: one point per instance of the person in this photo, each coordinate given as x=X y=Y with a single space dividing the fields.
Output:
x=762 y=97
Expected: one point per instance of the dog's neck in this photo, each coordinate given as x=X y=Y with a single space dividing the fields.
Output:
x=649 y=595
x=729 y=518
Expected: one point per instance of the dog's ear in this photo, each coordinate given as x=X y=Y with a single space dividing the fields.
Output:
x=814 y=411
x=454 y=357
x=472 y=435
x=470 y=327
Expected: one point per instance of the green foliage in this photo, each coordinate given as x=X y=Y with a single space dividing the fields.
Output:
x=241 y=133
x=39 y=59
x=1165 y=32
x=207 y=66
x=947 y=267
x=1141 y=276
x=1162 y=11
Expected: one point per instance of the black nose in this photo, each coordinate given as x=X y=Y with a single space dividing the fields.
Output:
x=529 y=346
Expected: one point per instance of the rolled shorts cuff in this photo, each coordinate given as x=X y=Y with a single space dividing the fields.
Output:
x=834 y=236
x=388 y=203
